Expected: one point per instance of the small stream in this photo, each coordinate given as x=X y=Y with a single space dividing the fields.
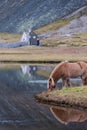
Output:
x=20 y=111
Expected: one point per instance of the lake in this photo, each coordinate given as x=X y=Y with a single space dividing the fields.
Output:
x=19 y=110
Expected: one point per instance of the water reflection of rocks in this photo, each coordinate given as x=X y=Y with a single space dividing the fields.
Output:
x=67 y=115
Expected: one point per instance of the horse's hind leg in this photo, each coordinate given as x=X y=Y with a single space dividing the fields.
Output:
x=84 y=81
x=69 y=83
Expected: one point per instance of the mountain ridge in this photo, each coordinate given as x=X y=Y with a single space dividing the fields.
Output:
x=17 y=16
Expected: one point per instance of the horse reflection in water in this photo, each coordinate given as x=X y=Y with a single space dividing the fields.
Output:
x=67 y=115
x=65 y=71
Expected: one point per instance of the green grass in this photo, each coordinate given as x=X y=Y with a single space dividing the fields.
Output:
x=73 y=92
x=7 y=37
x=76 y=40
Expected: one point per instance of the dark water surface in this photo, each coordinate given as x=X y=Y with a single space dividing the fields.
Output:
x=20 y=111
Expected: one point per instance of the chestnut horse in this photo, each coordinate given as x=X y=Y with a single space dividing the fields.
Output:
x=65 y=71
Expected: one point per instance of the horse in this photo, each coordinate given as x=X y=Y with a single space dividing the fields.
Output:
x=66 y=70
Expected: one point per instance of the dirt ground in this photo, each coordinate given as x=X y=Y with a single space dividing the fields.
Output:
x=2 y=41
x=69 y=50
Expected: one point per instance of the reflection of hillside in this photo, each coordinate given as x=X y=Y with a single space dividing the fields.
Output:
x=66 y=115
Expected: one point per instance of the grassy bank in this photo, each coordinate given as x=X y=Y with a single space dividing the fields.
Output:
x=72 y=97
x=42 y=54
x=76 y=40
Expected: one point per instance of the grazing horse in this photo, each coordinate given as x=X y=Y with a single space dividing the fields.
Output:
x=65 y=71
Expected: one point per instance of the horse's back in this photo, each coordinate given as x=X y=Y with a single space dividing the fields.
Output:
x=67 y=69
x=83 y=65
x=74 y=70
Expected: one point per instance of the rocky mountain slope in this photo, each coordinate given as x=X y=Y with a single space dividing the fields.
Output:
x=75 y=23
x=75 y=26
x=19 y=15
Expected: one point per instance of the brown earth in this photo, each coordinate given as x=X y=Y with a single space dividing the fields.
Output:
x=69 y=49
x=62 y=100
x=2 y=41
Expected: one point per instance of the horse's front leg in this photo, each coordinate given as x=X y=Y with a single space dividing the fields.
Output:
x=84 y=79
x=69 y=82
x=63 y=83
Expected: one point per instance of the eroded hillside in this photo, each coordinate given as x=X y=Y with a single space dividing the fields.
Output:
x=19 y=15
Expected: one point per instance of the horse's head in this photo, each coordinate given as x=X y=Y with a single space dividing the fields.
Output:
x=51 y=84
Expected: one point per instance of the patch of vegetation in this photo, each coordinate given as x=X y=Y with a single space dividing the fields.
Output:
x=7 y=37
x=76 y=92
x=40 y=55
x=53 y=26
x=70 y=97
x=75 y=40
x=54 y=42
x=83 y=38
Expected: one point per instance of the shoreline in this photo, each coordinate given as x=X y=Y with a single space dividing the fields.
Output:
x=63 y=99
